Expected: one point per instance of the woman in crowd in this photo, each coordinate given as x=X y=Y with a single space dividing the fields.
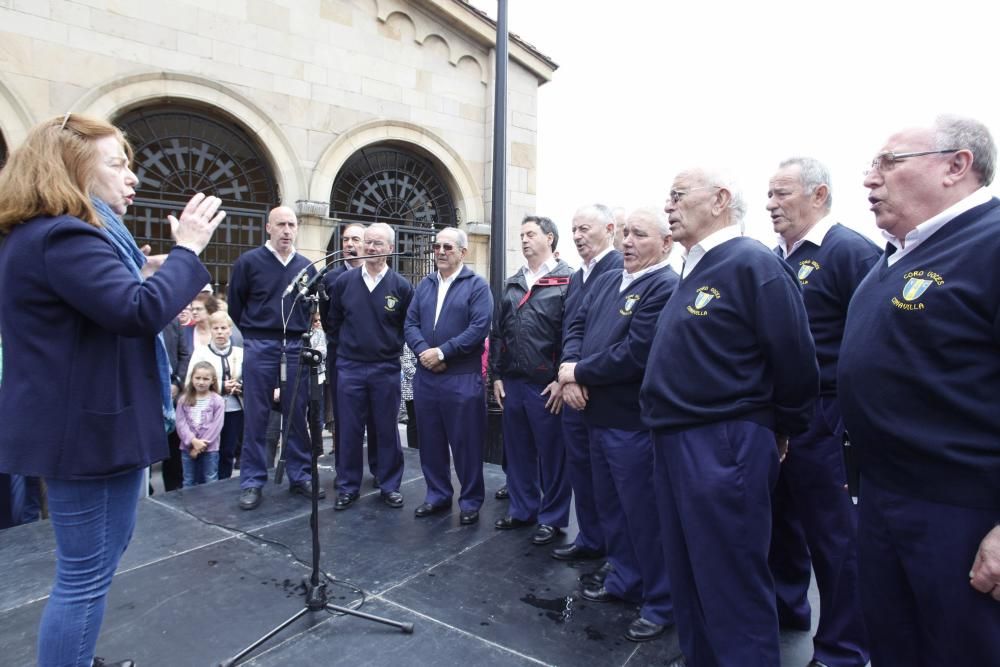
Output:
x=71 y=276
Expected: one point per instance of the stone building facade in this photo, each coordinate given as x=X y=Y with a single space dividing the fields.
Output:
x=343 y=109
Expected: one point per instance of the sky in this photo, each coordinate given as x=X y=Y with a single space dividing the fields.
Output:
x=648 y=88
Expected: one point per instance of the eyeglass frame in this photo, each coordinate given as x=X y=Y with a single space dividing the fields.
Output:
x=893 y=158
x=677 y=195
x=447 y=247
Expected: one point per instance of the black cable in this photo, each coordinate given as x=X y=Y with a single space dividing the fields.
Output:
x=328 y=577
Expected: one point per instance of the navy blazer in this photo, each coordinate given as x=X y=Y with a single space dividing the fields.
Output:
x=80 y=395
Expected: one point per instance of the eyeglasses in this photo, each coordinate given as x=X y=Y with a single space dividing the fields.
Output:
x=887 y=161
x=677 y=195
x=447 y=247
x=376 y=244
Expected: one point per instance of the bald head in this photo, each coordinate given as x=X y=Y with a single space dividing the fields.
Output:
x=283 y=229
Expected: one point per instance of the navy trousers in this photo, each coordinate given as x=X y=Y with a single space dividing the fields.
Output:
x=812 y=480
x=915 y=558
x=623 y=489
x=331 y=392
x=229 y=442
x=368 y=389
x=580 y=474
x=452 y=411
x=260 y=377
x=713 y=485
x=536 y=457
x=789 y=560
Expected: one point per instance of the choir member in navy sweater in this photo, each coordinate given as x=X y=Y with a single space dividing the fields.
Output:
x=352 y=245
x=604 y=357
x=525 y=346
x=367 y=310
x=446 y=325
x=815 y=520
x=271 y=323
x=732 y=374
x=919 y=378
x=593 y=231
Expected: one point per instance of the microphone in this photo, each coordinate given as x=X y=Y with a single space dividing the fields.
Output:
x=300 y=276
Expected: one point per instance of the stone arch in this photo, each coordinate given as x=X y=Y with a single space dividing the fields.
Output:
x=466 y=192
x=119 y=95
x=472 y=67
x=399 y=25
x=15 y=121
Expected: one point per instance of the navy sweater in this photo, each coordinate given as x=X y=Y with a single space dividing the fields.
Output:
x=461 y=328
x=368 y=326
x=920 y=366
x=255 y=295
x=610 y=337
x=578 y=289
x=80 y=397
x=733 y=343
x=829 y=274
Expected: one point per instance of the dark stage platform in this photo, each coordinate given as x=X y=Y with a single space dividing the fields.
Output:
x=188 y=593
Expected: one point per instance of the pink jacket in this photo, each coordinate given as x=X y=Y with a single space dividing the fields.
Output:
x=211 y=423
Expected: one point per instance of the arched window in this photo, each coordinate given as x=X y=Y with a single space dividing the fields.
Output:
x=386 y=183
x=180 y=151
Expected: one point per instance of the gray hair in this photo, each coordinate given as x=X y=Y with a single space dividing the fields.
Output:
x=812 y=174
x=463 y=238
x=967 y=133
x=599 y=212
x=657 y=215
x=723 y=179
x=382 y=227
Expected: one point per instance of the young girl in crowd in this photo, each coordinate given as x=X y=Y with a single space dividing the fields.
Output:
x=200 y=415
x=227 y=360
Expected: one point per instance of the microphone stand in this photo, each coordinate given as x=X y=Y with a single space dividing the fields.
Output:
x=317 y=598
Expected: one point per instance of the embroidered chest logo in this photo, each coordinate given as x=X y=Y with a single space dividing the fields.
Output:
x=630 y=302
x=806 y=267
x=917 y=283
x=702 y=297
x=390 y=303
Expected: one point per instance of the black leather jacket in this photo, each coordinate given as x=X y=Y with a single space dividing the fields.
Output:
x=526 y=340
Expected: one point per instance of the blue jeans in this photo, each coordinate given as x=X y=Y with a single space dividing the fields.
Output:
x=93 y=522
x=204 y=468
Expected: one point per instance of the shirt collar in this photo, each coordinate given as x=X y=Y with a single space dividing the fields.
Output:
x=632 y=277
x=291 y=255
x=378 y=276
x=815 y=235
x=447 y=281
x=546 y=267
x=716 y=238
x=924 y=230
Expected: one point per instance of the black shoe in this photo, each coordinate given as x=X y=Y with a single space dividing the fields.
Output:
x=305 y=488
x=468 y=517
x=427 y=509
x=250 y=498
x=501 y=493
x=508 y=522
x=345 y=500
x=642 y=630
x=574 y=552
x=392 y=499
x=596 y=578
x=101 y=662
x=545 y=534
x=600 y=594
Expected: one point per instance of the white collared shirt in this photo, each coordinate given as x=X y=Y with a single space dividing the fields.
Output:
x=629 y=278
x=444 y=284
x=532 y=277
x=815 y=235
x=589 y=266
x=717 y=238
x=284 y=261
x=925 y=229
x=372 y=281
